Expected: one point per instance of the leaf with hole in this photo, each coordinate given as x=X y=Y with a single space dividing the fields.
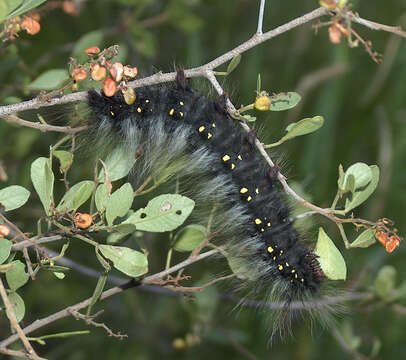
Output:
x=130 y=262
x=13 y=197
x=163 y=213
x=331 y=261
x=284 y=101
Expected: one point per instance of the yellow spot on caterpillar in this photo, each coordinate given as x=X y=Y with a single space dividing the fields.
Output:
x=232 y=166
x=293 y=271
x=249 y=198
x=262 y=229
x=181 y=113
x=270 y=249
x=139 y=110
x=291 y=281
x=258 y=221
x=171 y=112
x=287 y=264
x=257 y=191
x=280 y=267
x=274 y=258
x=201 y=129
x=268 y=224
x=213 y=125
x=239 y=157
x=181 y=103
x=112 y=114
x=147 y=101
x=225 y=158
x=295 y=276
x=302 y=280
x=209 y=135
x=243 y=190
x=281 y=252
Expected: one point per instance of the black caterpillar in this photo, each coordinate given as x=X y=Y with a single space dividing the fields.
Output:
x=176 y=125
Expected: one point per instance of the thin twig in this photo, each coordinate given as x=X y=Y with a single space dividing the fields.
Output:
x=19 y=354
x=261 y=17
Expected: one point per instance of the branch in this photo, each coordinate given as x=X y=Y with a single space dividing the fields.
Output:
x=105 y=294
x=261 y=17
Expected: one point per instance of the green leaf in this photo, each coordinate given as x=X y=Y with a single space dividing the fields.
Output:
x=119 y=203
x=331 y=261
x=359 y=196
x=361 y=174
x=241 y=268
x=93 y=38
x=42 y=178
x=65 y=158
x=26 y=6
x=189 y=238
x=49 y=80
x=163 y=213
x=249 y=118
x=13 y=197
x=101 y=197
x=5 y=248
x=284 y=101
x=3 y=11
x=17 y=303
x=364 y=240
x=130 y=262
x=385 y=282
x=101 y=282
x=303 y=127
x=235 y=61
x=16 y=275
x=119 y=163
x=76 y=196
x=259 y=84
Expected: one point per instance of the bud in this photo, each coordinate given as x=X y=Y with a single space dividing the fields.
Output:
x=79 y=74
x=30 y=25
x=109 y=87
x=98 y=72
x=328 y=4
x=129 y=95
x=381 y=237
x=262 y=103
x=392 y=244
x=130 y=72
x=70 y=8
x=93 y=50
x=4 y=231
x=117 y=71
x=83 y=221
x=178 y=344
x=334 y=34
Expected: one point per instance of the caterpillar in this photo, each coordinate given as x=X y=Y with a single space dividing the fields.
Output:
x=177 y=125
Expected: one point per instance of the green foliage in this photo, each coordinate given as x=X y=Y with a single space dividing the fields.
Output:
x=16 y=275
x=5 y=248
x=119 y=203
x=49 y=80
x=13 y=197
x=76 y=196
x=42 y=178
x=189 y=237
x=284 y=101
x=18 y=305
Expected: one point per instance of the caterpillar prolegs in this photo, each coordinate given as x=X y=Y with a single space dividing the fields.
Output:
x=176 y=125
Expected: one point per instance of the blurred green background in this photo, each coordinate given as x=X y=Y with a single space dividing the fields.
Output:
x=365 y=120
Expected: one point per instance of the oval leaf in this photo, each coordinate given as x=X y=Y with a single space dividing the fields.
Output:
x=385 y=282
x=189 y=238
x=364 y=240
x=118 y=163
x=119 y=203
x=26 y=6
x=361 y=173
x=76 y=196
x=65 y=158
x=331 y=261
x=17 y=304
x=359 y=196
x=16 y=275
x=49 y=80
x=101 y=197
x=303 y=127
x=5 y=248
x=130 y=262
x=163 y=213
x=13 y=197
x=42 y=178
x=233 y=63
x=284 y=101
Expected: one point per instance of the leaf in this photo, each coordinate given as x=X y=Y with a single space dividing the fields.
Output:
x=119 y=203
x=101 y=197
x=303 y=127
x=163 y=213
x=249 y=118
x=16 y=275
x=259 y=84
x=101 y=282
x=284 y=101
x=3 y=11
x=26 y=6
x=130 y=262
x=119 y=163
x=359 y=196
x=385 y=282
x=42 y=178
x=5 y=248
x=18 y=305
x=235 y=61
x=65 y=158
x=364 y=240
x=189 y=238
x=361 y=173
x=49 y=80
x=93 y=38
x=76 y=196
x=13 y=197
x=331 y=261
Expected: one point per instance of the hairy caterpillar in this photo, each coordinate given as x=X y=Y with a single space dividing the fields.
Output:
x=176 y=125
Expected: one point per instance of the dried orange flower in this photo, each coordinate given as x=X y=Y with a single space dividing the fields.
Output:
x=93 y=50
x=117 y=71
x=79 y=74
x=130 y=72
x=109 y=87
x=392 y=244
x=98 y=72
x=30 y=25
x=334 y=34
x=70 y=8
x=83 y=220
x=4 y=231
